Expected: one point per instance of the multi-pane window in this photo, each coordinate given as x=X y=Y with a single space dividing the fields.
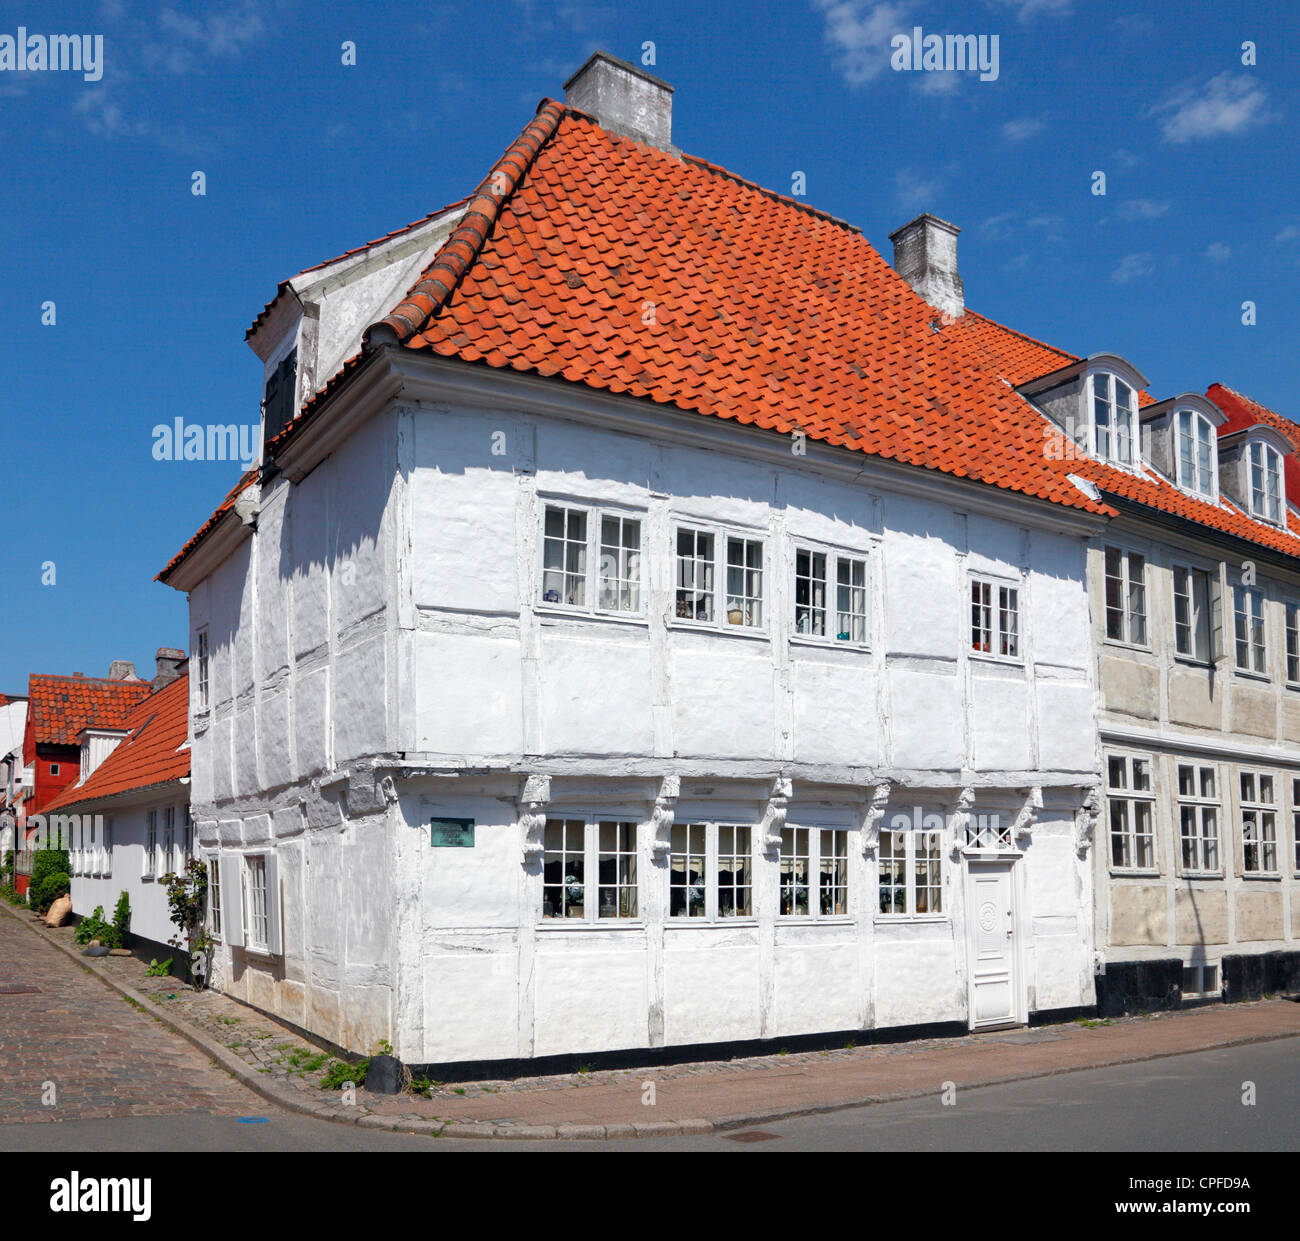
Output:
x=564 y=556
x=1258 y=824
x=1248 y=615
x=214 y=894
x=1126 y=596
x=1265 y=482
x=814 y=872
x=106 y=867
x=1196 y=452
x=167 y=850
x=1200 y=980
x=1193 y=613
x=255 y=925
x=1295 y=822
x=620 y=563
x=203 y=669
x=576 y=849
x=710 y=871
x=1113 y=418
x=813 y=572
x=150 y=844
x=745 y=582
x=1292 y=644
x=995 y=618
x=911 y=868
x=568 y=554
x=1131 y=802
x=1198 y=818
x=696 y=586
x=187 y=840
x=695 y=574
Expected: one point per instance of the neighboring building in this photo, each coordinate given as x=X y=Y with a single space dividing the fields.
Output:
x=663 y=628
x=129 y=810
x=59 y=709
x=1195 y=599
x=13 y=716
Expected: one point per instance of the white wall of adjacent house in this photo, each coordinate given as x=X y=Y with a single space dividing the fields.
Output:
x=129 y=848
x=384 y=654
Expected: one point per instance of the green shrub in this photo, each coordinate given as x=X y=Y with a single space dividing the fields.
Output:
x=121 y=920
x=339 y=1072
x=159 y=969
x=93 y=926
x=47 y=889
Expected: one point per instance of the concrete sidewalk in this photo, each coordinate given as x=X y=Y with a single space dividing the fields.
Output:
x=687 y=1098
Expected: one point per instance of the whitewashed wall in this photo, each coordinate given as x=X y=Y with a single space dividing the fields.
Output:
x=380 y=626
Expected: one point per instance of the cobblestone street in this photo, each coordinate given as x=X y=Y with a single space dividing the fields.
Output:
x=103 y=1057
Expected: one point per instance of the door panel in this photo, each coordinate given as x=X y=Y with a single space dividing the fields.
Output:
x=992 y=941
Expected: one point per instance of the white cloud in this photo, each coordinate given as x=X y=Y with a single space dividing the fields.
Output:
x=1142 y=209
x=1029 y=9
x=1290 y=233
x=1023 y=127
x=218 y=33
x=859 y=31
x=1217 y=252
x=1132 y=267
x=917 y=189
x=1229 y=104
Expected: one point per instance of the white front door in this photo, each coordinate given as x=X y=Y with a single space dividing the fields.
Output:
x=991 y=935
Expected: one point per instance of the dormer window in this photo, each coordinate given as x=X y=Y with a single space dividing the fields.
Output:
x=1195 y=453
x=1114 y=417
x=1265 y=482
x=278 y=396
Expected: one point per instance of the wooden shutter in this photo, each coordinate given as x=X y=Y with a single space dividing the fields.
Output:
x=1217 y=649
x=274 y=944
x=232 y=899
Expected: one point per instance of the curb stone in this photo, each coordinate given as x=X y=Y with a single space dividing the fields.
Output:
x=291 y=1099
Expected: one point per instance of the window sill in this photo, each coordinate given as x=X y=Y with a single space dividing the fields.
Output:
x=1133 y=873
x=606 y=924
x=897 y=919
x=1192 y=662
x=714 y=923
x=733 y=631
x=1200 y=874
x=1144 y=648
x=1246 y=675
x=1000 y=661
x=814 y=919
x=1269 y=876
x=828 y=644
x=560 y=612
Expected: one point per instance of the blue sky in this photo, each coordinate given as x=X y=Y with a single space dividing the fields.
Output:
x=305 y=157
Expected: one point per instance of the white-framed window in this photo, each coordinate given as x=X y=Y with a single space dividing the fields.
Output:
x=1196 y=593
x=1114 y=418
x=736 y=598
x=1248 y=620
x=1200 y=980
x=1130 y=800
x=1258 y=824
x=813 y=874
x=256 y=921
x=710 y=871
x=167 y=848
x=150 y=844
x=578 y=850
x=214 y=894
x=995 y=618
x=54 y=769
x=1292 y=643
x=1195 y=455
x=574 y=539
x=841 y=617
x=910 y=861
x=201 y=641
x=1126 y=596
x=1295 y=823
x=106 y=867
x=1265 y=482
x=187 y=838
x=1198 y=818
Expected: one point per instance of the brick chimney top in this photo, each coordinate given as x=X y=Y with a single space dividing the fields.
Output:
x=168 y=663
x=624 y=99
x=925 y=255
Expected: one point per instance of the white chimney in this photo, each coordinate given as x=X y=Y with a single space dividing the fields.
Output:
x=623 y=99
x=925 y=255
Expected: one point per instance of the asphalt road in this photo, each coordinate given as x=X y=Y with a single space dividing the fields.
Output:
x=1182 y=1103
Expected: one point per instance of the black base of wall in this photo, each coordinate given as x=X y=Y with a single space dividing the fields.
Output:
x=657 y=1057
x=1139 y=987
x=1255 y=975
x=1059 y=1016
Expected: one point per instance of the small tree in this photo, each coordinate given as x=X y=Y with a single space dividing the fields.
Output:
x=187 y=898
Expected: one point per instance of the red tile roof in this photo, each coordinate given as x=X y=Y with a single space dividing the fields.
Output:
x=592 y=258
x=150 y=755
x=59 y=707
